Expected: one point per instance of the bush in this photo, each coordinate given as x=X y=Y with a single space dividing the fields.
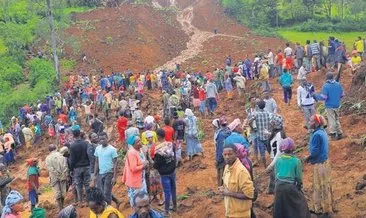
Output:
x=41 y=69
x=67 y=64
x=10 y=71
x=334 y=26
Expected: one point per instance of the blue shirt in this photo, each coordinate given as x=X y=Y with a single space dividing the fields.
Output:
x=286 y=80
x=105 y=157
x=220 y=141
x=332 y=92
x=318 y=146
x=236 y=138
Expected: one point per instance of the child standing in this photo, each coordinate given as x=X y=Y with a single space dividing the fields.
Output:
x=202 y=99
x=228 y=87
x=286 y=81
x=33 y=181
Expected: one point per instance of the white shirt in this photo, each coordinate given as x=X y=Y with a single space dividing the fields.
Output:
x=303 y=97
x=270 y=58
x=302 y=73
x=288 y=51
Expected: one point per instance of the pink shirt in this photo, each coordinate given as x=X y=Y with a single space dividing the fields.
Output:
x=132 y=173
x=13 y=216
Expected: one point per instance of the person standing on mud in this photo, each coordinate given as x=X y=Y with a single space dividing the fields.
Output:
x=261 y=118
x=305 y=100
x=331 y=94
x=289 y=199
x=238 y=188
x=58 y=172
x=212 y=96
x=165 y=163
x=222 y=134
x=105 y=169
x=318 y=158
x=79 y=163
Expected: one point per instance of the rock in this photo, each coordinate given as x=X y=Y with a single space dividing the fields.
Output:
x=361 y=185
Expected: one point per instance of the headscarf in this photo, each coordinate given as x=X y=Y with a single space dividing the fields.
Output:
x=188 y=113
x=13 y=198
x=132 y=139
x=234 y=124
x=68 y=212
x=287 y=145
x=31 y=161
x=242 y=154
x=319 y=120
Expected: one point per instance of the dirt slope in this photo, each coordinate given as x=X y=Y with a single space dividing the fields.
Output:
x=132 y=36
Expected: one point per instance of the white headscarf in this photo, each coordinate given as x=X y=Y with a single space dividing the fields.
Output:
x=188 y=113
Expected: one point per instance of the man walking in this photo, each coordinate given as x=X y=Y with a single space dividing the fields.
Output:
x=58 y=172
x=212 y=96
x=331 y=94
x=262 y=121
x=105 y=168
x=305 y=100
x=299 y=54
x=222 y=134
x=315 y=52
x=79 y=163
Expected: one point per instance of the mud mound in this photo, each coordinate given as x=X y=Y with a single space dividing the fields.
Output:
x=133 y=36
x=355 y=99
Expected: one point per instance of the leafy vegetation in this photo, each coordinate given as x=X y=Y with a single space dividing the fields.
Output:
x=26 y=69
x=302 y=15
x=296 y=36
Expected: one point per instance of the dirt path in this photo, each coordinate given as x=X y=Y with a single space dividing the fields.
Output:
x=197 y=37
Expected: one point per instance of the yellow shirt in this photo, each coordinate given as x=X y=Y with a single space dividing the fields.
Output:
x=356 y=60
x=108 y=211
x=237 y=179
x=359 y=45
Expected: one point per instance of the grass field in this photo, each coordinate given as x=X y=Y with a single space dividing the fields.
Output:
x=294 y=36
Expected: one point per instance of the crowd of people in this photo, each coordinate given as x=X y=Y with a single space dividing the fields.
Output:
x=154 y=138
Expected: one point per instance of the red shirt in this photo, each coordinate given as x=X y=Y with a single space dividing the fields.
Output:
x=63 y=117
x=279 y=58
x=202 y=95
x=169 y=133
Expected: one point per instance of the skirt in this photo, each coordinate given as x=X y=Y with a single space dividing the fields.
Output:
x=322 y=186
x=289 y=202
x=193 y=146
x=155 y=182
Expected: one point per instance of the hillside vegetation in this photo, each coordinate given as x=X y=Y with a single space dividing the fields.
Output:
x=301 y=15
x=26 y=69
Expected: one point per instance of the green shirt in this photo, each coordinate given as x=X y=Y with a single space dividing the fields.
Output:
x=288 y=168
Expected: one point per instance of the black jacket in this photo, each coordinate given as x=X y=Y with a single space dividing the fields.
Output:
x=79 y=154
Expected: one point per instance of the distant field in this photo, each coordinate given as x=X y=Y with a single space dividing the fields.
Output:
x=294 y=36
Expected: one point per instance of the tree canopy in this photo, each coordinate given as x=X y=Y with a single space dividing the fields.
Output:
x=303 y=15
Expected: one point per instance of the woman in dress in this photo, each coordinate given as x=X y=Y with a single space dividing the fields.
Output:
x=193 y=146
x=134 y=171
